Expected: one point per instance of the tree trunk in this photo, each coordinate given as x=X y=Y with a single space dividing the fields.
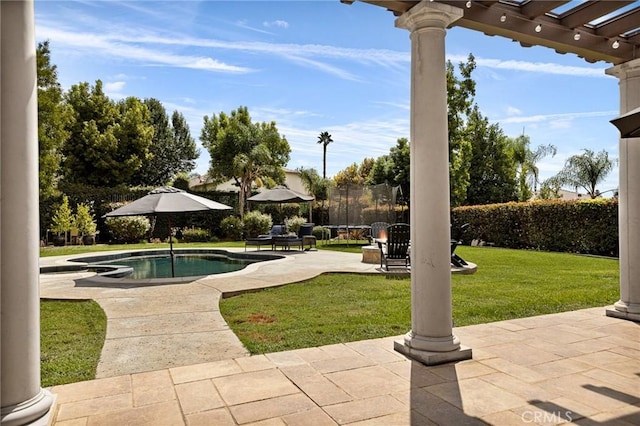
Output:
x=324 y=161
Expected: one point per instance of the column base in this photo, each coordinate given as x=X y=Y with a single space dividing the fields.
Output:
x=34 y=412
x=623 y=310
x=430 y=357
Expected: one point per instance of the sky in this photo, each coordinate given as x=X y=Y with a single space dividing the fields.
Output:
x=314 y=66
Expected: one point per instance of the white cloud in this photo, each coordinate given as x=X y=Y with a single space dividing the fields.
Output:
x=114 y=86
x=541 y=67
x=243 y=24
x=533 y=67
x=403 y=106
x=277 y=23
x=555 y=118
x=126 y=44
x=511 y=110
x=124 y=48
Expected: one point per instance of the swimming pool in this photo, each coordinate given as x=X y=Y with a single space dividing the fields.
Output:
x=185 y=265
x=156 y=264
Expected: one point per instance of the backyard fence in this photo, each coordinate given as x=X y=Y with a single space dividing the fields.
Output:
x=356 y=207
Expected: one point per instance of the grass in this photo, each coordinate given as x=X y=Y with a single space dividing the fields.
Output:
x=337 y=308
x=72 y=333
x=71 y=250
x=353 y=246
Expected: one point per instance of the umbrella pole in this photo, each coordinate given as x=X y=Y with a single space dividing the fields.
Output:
x=173 y=270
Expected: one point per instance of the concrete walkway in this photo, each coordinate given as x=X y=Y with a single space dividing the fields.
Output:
x=159 y=325
x=576 y=367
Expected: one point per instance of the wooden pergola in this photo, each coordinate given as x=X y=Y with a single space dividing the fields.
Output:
x=595 y=30
x=606 y=31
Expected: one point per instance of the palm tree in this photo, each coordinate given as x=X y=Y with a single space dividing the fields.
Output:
x=586 y=171
x=526 y=162
x=316 y=186
x=324 y=139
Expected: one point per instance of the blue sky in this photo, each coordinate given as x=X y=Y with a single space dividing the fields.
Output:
x=314 y=66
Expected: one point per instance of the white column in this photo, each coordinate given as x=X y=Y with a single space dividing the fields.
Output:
x=629 y=198
x=23 y=400
x=431 y=339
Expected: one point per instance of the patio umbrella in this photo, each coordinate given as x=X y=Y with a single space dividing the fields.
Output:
x=281 y=194
x=628 y=124
x=167 y=200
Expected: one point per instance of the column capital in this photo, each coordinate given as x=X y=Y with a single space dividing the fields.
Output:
x=429 y=14
x=625 y=70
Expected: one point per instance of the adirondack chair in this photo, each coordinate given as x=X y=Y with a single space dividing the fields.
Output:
x=394 y=252
x=377 y=228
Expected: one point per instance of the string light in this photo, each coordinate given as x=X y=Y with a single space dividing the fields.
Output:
x=538 y=28
x=615 y=44
x=503 y=17
x=576 y=36
x=468 y=5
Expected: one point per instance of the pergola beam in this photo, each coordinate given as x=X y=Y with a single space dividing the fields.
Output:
x=558 y=32
x=620 y=24
x=589 y=11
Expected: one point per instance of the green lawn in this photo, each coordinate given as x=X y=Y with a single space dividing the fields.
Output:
x=337 y=308
x=72 y=333
x=346 y=307
x=71 y=250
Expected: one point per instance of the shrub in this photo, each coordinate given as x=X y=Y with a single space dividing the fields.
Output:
x=294 y=223
x=231 y=227
x=84 y=220
x=584 y=226
x=321 y=233
x=257 y=223
x=128 y=229
x=195 y=235
x=63 y=218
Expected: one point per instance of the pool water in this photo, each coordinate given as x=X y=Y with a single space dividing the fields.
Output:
x=185 y=265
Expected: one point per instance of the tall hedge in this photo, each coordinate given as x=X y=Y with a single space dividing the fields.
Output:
x=584 y=226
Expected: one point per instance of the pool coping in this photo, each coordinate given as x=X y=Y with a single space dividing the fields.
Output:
x=118 y=273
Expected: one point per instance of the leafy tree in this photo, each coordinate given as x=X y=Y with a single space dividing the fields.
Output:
x=54 y=116
x=84 y=220
x=317 y=186
x=394 y=168
x=492 y=171
x=63 y=218
x=585 y=171
x=526 y=168
x=348 y=176
x=400 y=156
x=381 y=172
x=181 y=181
x=549 y=190
x=314 y=184
x=460 y=100
x=173 y=150
x=355 y=174
x=324 y=139
x=243 y=151
x=108 y=141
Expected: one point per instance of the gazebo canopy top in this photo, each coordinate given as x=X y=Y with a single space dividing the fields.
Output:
x=602 y=30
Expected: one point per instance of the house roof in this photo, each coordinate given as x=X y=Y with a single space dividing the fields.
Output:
x=594 y=30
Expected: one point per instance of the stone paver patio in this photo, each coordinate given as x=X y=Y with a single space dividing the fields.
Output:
x=577 y=367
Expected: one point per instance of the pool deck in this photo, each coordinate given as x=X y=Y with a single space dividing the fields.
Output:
x=170 y=359
x=158 y=323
